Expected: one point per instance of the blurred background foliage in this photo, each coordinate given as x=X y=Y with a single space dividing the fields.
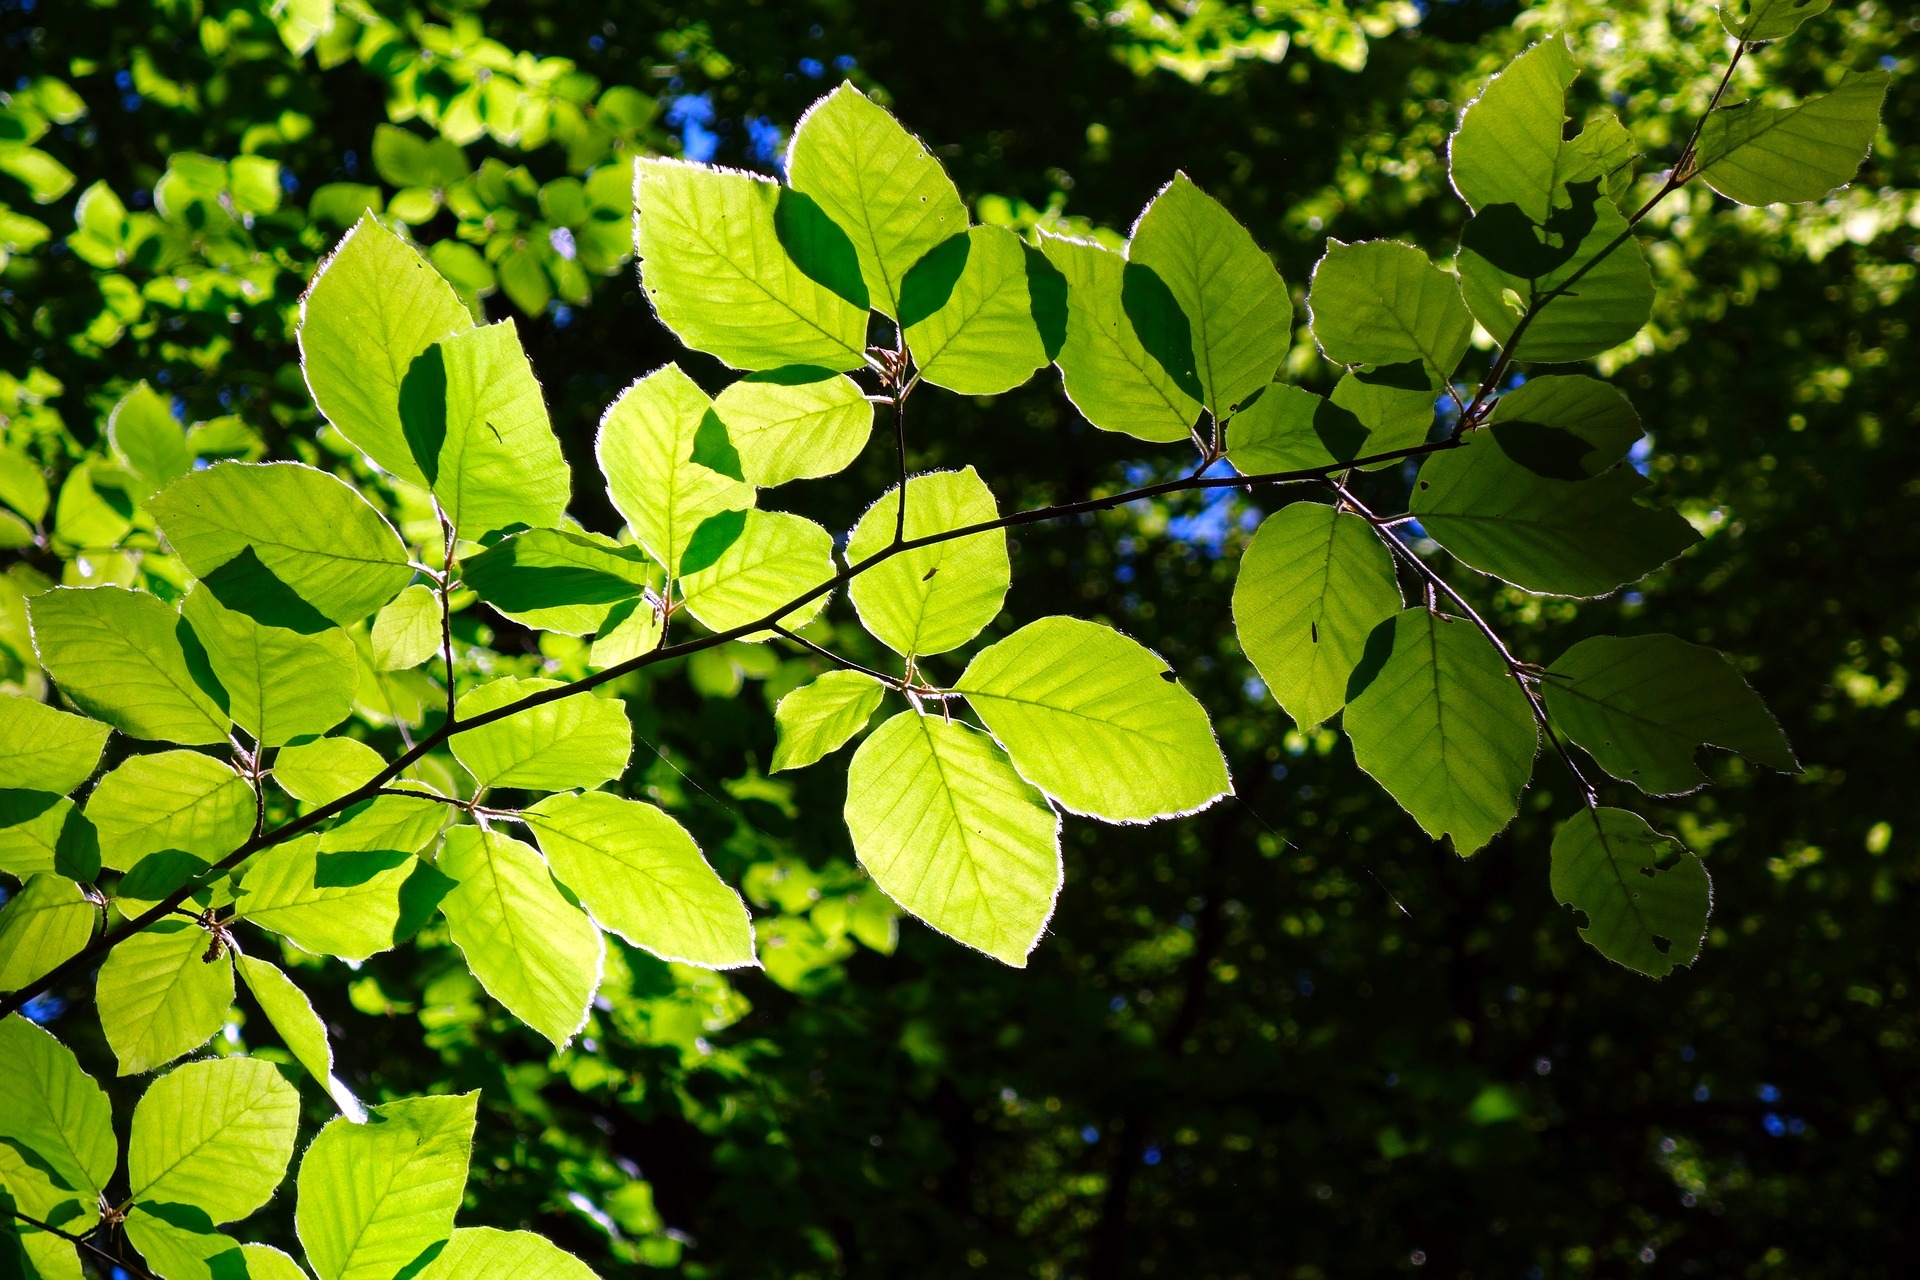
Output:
x=1288 y=1037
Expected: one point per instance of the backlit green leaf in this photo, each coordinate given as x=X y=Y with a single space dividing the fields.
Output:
x=297 y=1025
x=324 y=770
x=533 y=950
x=1097 y=721
x=1383 y=302
x=484 y=1253
x=23 y=484
x=170 y=800
x=1313 y=584
x=43 y=832
x=1574 y=426
x=558 y=580
x=949 y=831
x=578 y=741
x=968 y=314
x=1507 y=149
x=178 y=1242
x=345 y=902
x=117 y=655
x=1767 y=155
x=160 y=996
x=281 y=684
x=44 y=749
x=376 y=1197
x=56 y=1111
x=1438 y=722
x=650 y=451
x=937 y=597
x=1645 y=896
x=143 y=430
x=630 y=630
x=821 y=716
x=1758 y=20
x=794 y=423
x=773 y=558
x=406 y=631
x=643 y=877
x=43 y=926
x=215 y=1135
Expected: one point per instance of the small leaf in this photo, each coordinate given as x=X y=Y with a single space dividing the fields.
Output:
x=281 y=685
x=160 y=996
x=1643 y=706
x=968 y=314
x=298 y=1026
x=1645 y=896
x=376 y=1198
x=1383 y=302
x=558 y=580
x=1313 y=584
x=56 y=1111
x=1770 y=155
x=178 y=1242
x=578 y=741
x=646 y=449
x=42 y=832
x=795 y=423
x=533 y=950
x=215 y=1135
x=643 y=877
x=143 y=430
x=1754 y=21
x=1096 y=721
x=406 y=631
x=178 y=800
x=485 y=1253
x=117 y=655
x=1570 y=427
x=937 y=597
x=43 y=749
x=949 y=831
x=1436 y=720
x=775 y=558
x=333 y=902
x=322 y=771
x=43 y=926
x=23 y=484
x=630 y=630
x=821 y=716
x=1507 y=149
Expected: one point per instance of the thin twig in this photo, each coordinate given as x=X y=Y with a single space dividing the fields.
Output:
x=113 y=1259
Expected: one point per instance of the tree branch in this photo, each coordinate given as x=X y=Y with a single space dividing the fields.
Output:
x=112 y=1259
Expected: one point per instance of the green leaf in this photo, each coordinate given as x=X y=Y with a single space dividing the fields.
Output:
x=406 y=631
x=215 y=1135
x=264 y=1262
x=795 y=423
x=1383 y=302
x=42 y=927
x=282 y=685
x=1109 y=374
x=23 y=484
x=1507 y=149
x=648 y=450
x=93 y=508
x=170 y=800
x=335 y=902
x=717 y=260
x=578 y=741
x=531 y=948
x=117 y=656
x=1436 y=720
x=1768 y=155
x=26 y=1251
x=1097 y=721
x=1645 y=896
x=143 y=430
x=374 y=306
x=1643 y=706
x=56 y=1111
x=774 y=558
x=1561 y=537
x=322 y=771
x=160 y=996
x=485 y=1253
x=408 y=823
x=43 y=749
x=1754 y=21
x=375 y=1198
x=1313 y=584
x=1229 y=290
x=1574 y=426
x=643 y=877
x=822 y=715
x=937 y=597
x=630 y=630
x=283 y=543
x=558 y=580
x=879 y=184
x=968 y=314
x=43 y=832
x=1291 y=429
x=477 y=423
x=178 y=1242
x=298 y=1026
x=949 y=831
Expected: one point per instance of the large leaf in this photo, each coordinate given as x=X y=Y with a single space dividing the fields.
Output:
x=373 y=307
x=578 y=741
x=1110 y=374
x=937 y=597
x=794 y=423
x=117 y=655
x=879 y=184
x=1383 y=302
x=718 y=256
x=533 y=950
x=179 y=1242
x=283 y=543
x=215 y=1135
x=485 y=1253
x=1754 y=21
x=949 y=831
x=642 y=876
x=1644 y=706
x=376 y=1198
x=56 y=1111
x=1565 y=426
x=1312 y=586
x=324 y=770
x=1507 y=149
x=44 y=749
x=160 y=995
x=143 y=430
x=658 y=446
x=43 y=926
x=821 y=716
x=348 y=903
x=1436 y=720
x=1371 y=411
x=741 y=568
x=1232 y=296
x=280 y=684
x=1561 y=537
x=27 y=1252
x=291 y=1015
x=558 y=580
x=1763 y=155
x=1097 y=721
x=1645 y=896
x=170 y=800
x=969 y=314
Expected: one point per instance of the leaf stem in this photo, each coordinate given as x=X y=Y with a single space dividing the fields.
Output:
x=444 y=589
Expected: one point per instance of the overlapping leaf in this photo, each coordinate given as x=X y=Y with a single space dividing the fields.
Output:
x=933 y=598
